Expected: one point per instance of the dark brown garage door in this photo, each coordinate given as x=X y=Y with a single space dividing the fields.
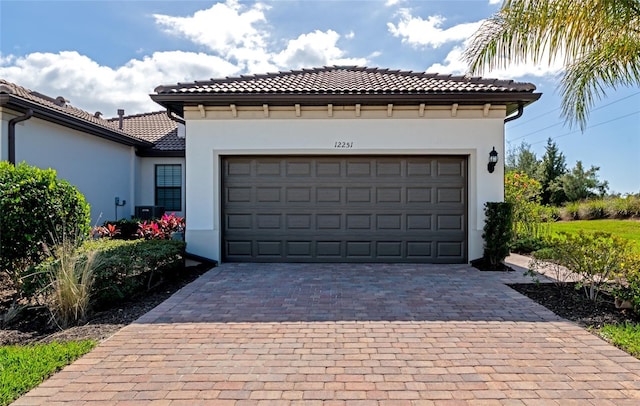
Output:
x=345 y=209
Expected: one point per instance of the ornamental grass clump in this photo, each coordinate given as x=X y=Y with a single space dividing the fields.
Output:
x=70 y=275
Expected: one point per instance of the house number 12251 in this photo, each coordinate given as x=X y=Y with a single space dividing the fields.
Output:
x=343 y=144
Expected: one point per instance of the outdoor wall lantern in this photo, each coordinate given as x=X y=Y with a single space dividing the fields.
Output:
x=493 y=159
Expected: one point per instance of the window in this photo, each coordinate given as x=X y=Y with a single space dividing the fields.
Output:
x=169 y=187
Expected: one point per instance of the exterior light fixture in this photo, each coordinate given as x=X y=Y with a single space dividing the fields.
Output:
x=493 y=159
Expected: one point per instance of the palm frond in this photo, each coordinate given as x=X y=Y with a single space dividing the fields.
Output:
x=612 y=64
x=581 y=33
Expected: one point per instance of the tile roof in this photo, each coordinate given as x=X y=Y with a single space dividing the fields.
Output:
x=346 y=80
x=154 y=127
x=60 y=105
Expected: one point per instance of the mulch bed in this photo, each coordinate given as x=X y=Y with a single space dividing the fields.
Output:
x=572 y=304
x=33 y=325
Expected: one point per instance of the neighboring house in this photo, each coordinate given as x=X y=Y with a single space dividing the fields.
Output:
x=140 y=162
x=342 y=164
x=335 y=164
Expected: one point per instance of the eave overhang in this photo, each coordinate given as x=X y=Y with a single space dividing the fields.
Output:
x=158 y=153
x=177 y=101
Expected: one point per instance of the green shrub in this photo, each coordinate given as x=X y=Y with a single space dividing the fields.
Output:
x=497 y=231
x=595 y=258
x=628 y=283
x=36 y=208
x=525 y=245
x=530 y=218
x=130 y=267
x=548 y=261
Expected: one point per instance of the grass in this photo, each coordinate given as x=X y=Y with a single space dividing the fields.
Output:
x=627 y=229
x=624 y=336
x=25 y=367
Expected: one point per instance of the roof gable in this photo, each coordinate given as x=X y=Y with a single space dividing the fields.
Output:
x=155 y=127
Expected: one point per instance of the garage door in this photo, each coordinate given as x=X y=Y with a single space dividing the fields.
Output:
x=345 y=209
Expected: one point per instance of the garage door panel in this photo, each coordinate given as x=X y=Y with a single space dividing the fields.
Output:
x=268 y=194
x=344 y=209
x=239 y=249
x=270 y=167
x=450 y=195
x=448 y=167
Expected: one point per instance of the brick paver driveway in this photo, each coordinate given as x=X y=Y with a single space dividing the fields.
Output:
x=348 y=334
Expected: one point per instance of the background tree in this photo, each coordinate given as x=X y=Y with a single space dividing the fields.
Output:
x=598 y=41
x=579 y=184
x=522 y=160
x=552 y=168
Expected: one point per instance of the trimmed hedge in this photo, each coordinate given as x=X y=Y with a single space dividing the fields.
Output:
x=37 y=208
x=130 y=267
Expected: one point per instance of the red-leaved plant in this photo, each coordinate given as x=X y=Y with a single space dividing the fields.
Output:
x=109 y=230
x=161 y=229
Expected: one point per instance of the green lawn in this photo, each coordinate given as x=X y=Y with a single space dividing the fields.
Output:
x=25 y=367
x=628 y=229
x=626 y=337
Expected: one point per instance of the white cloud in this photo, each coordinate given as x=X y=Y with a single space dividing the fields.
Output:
x=495 y=1
x=390 y=3
x=93 y=87
x=221 y=28
x=350 y=35
x=230 y=32
x=314 y=49
x=453 y=64
x=228 y=29
x=419 y=32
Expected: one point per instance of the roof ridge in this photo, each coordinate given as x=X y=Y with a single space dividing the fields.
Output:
x=150 y=113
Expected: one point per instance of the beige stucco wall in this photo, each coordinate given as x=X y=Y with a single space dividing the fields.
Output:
x=381 y=131
x=101 y=169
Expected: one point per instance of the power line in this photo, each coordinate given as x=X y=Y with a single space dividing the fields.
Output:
x=593 y=126
x=557 y=124
x=533 y=118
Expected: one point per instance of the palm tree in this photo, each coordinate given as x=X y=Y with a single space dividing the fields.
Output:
x=598 y=42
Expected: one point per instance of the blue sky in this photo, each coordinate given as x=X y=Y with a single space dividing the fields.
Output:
x=105 y=55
